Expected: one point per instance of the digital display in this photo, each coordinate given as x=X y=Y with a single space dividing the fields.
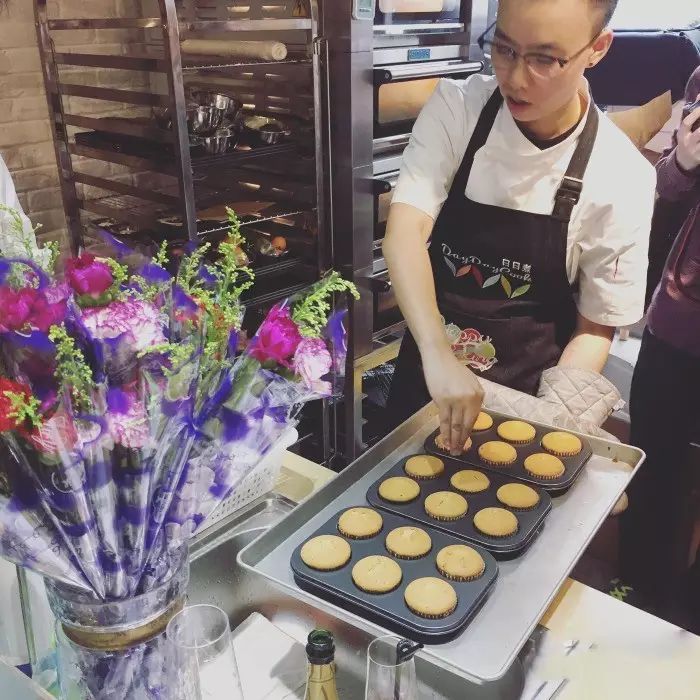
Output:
x=419 y=54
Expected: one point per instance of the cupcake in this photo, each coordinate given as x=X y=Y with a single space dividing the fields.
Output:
x=441 y=445
x=424 y=467
x=399 y=489
x=470 y=481
x=544 y=466
x=518 y=496
x=496 y=522
x=326 y=553
x=483 y=422
x=408 y=542
x=446 y=505
x=498 y=454
x=360 y=523
x=562 y=444
x=460 y=563
x=517 y=432
x=376 y=574
x=431 y=597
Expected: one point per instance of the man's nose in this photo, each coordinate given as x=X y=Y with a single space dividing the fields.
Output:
x=518 y=75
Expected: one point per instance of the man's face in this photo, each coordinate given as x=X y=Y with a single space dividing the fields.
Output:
x=558 y=28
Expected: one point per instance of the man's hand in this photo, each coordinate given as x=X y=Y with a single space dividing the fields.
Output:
x=457 y=393
x=688 y=148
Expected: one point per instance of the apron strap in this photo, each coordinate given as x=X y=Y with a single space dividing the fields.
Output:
x=569 y=192
x=478 y=140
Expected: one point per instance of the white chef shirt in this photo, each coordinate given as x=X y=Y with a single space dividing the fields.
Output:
x=608 y=237
x=13 y=245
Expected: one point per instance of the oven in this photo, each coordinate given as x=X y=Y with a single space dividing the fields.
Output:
x=393 y=15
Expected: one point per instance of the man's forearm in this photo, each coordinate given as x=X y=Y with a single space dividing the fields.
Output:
x=589 y=348
x=411 y=274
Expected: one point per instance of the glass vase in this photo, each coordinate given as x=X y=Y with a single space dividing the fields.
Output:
x=118 y=649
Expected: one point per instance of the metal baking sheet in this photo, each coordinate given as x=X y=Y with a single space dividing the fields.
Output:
x=526 y=586
x=572 y=465
x=530 y=522
x=389 y=608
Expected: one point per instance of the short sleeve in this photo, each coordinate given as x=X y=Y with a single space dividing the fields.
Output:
x=437 y=145
x=614 y=257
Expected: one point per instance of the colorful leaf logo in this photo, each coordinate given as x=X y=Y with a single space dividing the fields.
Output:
x=463 y=271
x=491 y=281
x=507 y=288
x=521 y=290
x=476 y=272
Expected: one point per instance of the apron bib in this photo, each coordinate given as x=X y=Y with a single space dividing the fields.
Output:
x=500 y=280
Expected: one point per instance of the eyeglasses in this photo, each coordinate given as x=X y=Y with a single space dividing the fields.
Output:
x=541 y=65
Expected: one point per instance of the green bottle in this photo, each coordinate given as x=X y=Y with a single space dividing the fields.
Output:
x=320 y=651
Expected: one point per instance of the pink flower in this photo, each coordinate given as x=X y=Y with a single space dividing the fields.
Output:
x=128 y=423
x=16 y=307
x=30 y=308
x=140 y=323
x=87 y=275
x=311 y=362
x=277 y=339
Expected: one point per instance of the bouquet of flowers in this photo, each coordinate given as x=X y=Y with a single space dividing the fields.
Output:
x=131 y=405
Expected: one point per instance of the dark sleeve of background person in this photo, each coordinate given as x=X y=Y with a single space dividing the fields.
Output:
x=673 y=205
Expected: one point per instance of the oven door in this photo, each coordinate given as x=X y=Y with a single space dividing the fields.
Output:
x=409 y=13
x=401 y=90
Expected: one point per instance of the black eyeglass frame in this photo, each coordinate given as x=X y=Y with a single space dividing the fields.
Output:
x=563 y=62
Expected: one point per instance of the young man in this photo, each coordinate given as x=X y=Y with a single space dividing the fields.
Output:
x=537 y=211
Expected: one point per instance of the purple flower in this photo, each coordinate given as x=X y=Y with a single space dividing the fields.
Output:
x=311 y=362
x=137 y=323
x=89 y=276
x=277 y=339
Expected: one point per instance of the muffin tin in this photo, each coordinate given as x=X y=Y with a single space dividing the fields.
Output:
x=530 y=521
x=572 y=465
x=390 y=609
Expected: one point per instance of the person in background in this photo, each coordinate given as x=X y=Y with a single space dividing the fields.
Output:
x=665 y=400
x=521 y=218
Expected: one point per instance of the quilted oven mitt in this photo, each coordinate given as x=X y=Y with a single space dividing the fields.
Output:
x=571 y=399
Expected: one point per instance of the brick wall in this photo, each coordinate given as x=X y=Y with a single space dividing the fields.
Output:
x=25 y=136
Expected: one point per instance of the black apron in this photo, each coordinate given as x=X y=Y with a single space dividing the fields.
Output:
x=500 y=279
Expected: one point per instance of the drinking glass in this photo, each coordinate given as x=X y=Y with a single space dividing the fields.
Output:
x=388 y=676
x=203 y=655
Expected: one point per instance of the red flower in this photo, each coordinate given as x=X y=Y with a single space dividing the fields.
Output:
x=87 y=275
x=8 y=422
x=277 y=339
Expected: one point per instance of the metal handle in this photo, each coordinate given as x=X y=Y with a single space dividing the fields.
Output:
x=386 y=183
x=411 y=71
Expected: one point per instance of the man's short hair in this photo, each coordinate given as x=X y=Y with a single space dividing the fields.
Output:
x=607 y=7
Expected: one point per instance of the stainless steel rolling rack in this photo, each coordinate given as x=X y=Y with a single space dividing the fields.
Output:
x=158 y=174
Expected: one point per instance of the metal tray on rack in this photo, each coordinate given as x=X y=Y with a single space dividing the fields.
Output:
x=389 y=608
x=572 y=465
x=530 y=522
x=526 y=586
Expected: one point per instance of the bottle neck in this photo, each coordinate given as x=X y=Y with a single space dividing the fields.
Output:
x=321 y=673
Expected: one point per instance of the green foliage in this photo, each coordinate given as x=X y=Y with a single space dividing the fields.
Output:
x=311 y=312
x=24 y=410
x=72 y=370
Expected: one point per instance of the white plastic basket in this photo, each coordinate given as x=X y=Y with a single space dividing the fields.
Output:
x=259 y=482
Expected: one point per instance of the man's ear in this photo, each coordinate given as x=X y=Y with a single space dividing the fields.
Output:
x=601 y=47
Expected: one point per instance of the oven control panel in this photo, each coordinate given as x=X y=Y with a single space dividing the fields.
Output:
x=364 y=9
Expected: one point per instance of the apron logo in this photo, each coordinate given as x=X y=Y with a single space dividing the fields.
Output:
x=514 y=277
x=471 y=348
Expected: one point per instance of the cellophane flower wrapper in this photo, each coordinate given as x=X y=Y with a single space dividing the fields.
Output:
x=28 y=538
x=255 y=404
